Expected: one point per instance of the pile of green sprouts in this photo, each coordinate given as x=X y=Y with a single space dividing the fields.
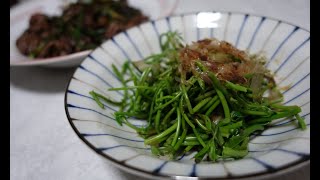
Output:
x=192 y=105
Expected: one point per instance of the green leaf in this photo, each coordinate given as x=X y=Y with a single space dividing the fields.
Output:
x=233 y=153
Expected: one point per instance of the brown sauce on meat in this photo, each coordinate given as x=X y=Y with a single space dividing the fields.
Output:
x=81 y=26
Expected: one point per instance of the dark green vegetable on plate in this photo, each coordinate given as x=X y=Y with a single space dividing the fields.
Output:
x=207 y=97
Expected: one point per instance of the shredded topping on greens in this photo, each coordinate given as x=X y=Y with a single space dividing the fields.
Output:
x=207 y=97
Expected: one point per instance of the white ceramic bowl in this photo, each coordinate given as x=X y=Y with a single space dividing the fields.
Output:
x=280 y=148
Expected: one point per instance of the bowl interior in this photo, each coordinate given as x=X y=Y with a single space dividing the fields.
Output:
x=280 y=146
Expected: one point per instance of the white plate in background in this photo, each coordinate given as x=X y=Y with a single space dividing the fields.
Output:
x=21 y=13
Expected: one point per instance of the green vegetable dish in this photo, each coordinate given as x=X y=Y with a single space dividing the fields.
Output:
x=207 y=97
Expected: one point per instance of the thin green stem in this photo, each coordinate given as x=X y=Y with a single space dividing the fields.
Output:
x=224 y=104
x=201 y=104
x=178 y=128
x=154 y=139
x=209 y=111
x=198 y=137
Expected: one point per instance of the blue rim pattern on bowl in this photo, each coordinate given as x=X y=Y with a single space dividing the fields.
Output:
x=235 y=27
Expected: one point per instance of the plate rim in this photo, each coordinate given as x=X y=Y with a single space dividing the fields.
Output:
x=284 y=169
x=53 y=60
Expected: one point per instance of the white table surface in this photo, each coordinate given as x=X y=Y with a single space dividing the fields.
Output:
x=42 y=142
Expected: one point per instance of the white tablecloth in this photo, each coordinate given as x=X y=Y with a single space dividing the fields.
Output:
x=42 y=142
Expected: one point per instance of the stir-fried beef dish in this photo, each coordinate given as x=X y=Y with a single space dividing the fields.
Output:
x=82 y=26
